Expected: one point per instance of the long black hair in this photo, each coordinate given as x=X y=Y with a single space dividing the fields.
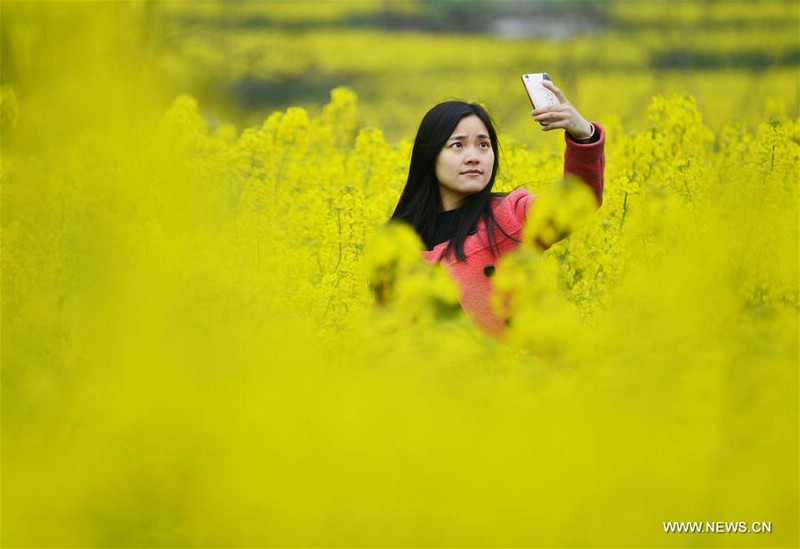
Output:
x=420 y=200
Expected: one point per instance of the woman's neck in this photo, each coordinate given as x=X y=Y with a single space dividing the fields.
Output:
x=451 y=208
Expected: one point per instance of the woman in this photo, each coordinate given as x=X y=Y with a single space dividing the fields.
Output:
x=448 y=196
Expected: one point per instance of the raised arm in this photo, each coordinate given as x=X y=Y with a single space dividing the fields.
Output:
x=587 y=160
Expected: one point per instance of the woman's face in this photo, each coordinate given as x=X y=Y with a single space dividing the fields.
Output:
x=464 y=165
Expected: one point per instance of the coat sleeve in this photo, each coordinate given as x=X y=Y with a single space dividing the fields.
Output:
x=587 y=161
x=522 y=204
x=515 y=206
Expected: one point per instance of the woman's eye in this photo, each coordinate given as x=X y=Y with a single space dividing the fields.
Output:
x=455 y=145
x=485 y=145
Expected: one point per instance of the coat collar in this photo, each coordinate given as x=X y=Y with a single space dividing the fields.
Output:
x=472 y=243
x=436 y=253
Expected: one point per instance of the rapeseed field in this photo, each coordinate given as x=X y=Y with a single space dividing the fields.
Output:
x=192 y=355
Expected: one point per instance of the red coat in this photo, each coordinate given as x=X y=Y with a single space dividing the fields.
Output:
x=510 y=211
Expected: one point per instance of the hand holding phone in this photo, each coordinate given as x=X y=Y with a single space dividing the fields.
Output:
x=553 y=110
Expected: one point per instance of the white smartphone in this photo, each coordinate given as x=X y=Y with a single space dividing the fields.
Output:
x=537 y=93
